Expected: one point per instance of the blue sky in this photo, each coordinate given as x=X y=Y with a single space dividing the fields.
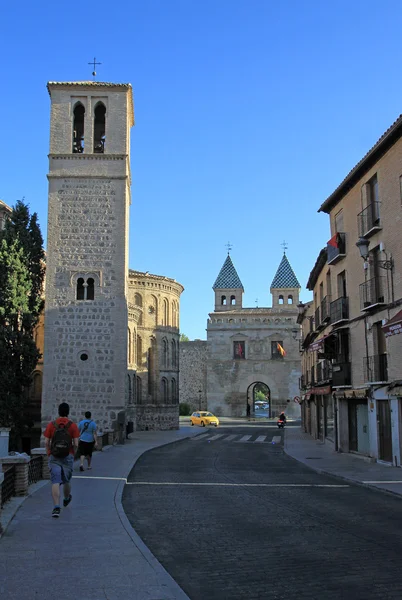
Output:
x=248 y=114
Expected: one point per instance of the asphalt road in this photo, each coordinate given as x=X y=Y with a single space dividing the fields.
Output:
x=235 y=518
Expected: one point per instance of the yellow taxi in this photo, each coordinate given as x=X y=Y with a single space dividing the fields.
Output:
x=204 y=418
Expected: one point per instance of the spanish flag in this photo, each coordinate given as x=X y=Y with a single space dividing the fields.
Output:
x=281 y=350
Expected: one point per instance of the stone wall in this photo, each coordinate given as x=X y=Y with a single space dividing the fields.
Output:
x=157 y=417
x=193 y=373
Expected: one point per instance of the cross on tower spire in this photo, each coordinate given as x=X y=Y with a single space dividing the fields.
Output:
x=229 y=247
x=94 y=63
x=284 y=246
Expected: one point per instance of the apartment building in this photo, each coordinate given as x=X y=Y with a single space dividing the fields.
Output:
x=353 y=353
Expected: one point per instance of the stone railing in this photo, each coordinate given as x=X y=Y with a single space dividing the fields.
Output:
x=105 y=438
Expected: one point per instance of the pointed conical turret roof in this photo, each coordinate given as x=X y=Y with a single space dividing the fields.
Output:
x=285 y=277
x=228 y=278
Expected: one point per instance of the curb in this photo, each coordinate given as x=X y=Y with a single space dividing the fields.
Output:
x=342 y=477
x=137 y=541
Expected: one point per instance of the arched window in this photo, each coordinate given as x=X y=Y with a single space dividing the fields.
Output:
x=290 y=299
x=165 y=312
x=35 y=391
x=140 y=359
x=174 y=354
x=80 y=289
x=85 y=288
x=164 y=390
x=134 y=342
x=130 y=398
x=134 y=390
x=280 y=299
x=99 y=128
x=90 y=288
x=78 y=129
x=130 y=348
x=139 y=390
x=173 y=391
x=232 y=300
x=138 y=300
x=223 y=301
x=174 y=314
x=165 y=353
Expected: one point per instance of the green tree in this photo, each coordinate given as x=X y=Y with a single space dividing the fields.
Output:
x=21 y=282
x=184 y=338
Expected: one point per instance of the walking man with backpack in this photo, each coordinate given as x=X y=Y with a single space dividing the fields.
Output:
x=88 y=440
x=61 y=438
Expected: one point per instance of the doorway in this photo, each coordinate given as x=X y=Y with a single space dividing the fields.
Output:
x=258 y=398
x=384 y=431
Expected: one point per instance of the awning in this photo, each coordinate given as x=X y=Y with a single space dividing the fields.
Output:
x=318 y=344
x=394 y=325
x=322 y=391
x=360 y=393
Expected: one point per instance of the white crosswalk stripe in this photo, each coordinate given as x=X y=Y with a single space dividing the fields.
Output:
x=236 y=437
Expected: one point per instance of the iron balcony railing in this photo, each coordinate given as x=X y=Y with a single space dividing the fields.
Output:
x=369 y=219
x=341 y=374
x=336 y=248
x=376 y=367
x=317 y=320
x=302 y=382
x=35 y=469
x=372 y=292
x=8 y=485
x=339 y=309
x=325 y=309
x=324 y=371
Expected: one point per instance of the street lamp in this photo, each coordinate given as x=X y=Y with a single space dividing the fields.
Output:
x=363 y=246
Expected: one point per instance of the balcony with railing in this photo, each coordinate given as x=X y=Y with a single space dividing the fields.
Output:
x=341 y=374
x=339 y=310
x=317 y=319
x=372 y=293
x=368 y=220
x=325 y=310
x=324 y=371
x=336 y=248
x=376 y=368
x=303 y=382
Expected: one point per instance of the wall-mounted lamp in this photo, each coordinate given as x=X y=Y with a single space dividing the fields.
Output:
x=363 y=246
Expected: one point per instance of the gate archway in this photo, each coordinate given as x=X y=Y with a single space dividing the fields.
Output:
x=258 y=395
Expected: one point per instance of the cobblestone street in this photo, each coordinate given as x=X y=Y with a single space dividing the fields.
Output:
x=245 y=521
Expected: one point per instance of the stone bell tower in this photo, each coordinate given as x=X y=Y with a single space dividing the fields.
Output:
x=85 y=358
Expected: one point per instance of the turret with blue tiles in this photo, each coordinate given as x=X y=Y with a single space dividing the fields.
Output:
x=228 y=288
x=285 y=288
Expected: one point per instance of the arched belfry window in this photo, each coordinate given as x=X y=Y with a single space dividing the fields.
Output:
x=223 y=301
x=99 y=128
x=78 y=129
x=290 y=299
x=85 y=288
x=280 y=299
x=232 y=300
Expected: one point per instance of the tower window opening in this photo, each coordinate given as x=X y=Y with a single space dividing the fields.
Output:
x=290 y=299
x=232 y=300
x=78 y=129
x=223 y=301
x=99 y=129
x=85 y=288
x=280 y=299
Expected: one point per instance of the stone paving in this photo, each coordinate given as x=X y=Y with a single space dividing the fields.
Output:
x=91 y=552
x=322 y=458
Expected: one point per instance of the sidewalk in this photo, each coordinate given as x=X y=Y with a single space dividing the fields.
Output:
x=91 y=552
x=322 y=458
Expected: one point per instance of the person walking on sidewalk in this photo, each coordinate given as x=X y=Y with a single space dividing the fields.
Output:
x=88 y=440
x=61 y=438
